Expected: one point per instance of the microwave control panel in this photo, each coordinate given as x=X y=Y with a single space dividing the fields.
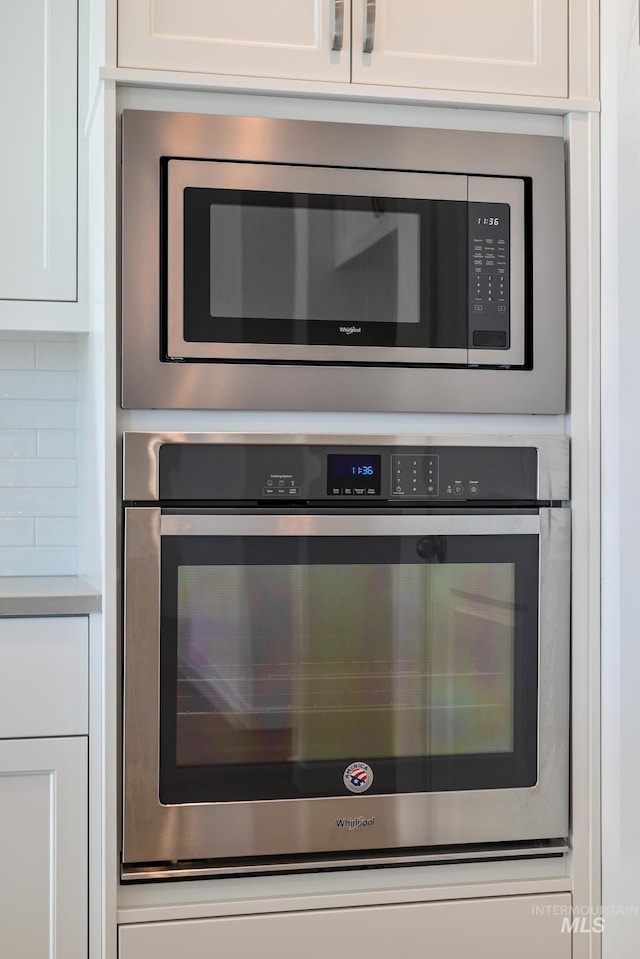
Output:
x=340 y=474
x=489 y=280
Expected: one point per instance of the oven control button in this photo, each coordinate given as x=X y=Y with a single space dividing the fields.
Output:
x=359 y=490
x=347 y=491
x=473 y=489
x=457 y=489
x=371 y=492
x=294 y=491
x=268 y=491
x=336 y=491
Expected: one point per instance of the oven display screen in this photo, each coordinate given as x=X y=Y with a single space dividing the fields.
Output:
x=348 y=470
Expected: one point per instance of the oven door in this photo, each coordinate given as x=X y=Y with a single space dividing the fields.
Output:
x=287 y=675
x=289 y=263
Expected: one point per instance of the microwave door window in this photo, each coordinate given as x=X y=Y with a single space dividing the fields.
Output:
x=302 y=263
x=304 y=269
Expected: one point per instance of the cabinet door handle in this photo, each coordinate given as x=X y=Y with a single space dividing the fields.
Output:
x=338 y=24
x=369 y=25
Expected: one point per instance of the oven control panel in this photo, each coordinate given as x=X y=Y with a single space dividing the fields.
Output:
x=412 y=475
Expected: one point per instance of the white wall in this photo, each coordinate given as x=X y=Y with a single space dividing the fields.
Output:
x=620 y=476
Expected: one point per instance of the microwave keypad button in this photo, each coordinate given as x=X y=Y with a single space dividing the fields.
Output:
x=489 y=339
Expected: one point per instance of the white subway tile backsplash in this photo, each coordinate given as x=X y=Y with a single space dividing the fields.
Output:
x=17 y=532
x=38 y=561
x=37 y=385
x=56 y=356
x=56 y=532
x=17 y=443
x=38 y=502
x=17 y=355
x=38 y=454
x=37 y=473
x=38 y=414
x=57 y=444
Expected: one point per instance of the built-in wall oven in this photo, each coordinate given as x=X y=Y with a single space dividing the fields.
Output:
x=343 y=650
x=286 y=264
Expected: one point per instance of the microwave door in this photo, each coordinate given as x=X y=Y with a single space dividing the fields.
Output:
x=283 y=263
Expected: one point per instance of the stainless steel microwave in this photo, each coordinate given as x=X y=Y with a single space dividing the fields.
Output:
x=301 y=265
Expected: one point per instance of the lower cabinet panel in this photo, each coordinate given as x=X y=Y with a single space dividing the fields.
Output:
x=529 y=927
x=43 y=848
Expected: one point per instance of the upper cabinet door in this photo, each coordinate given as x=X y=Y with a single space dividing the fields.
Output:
x=301 y=39
x=38 y=182
x=514 y=47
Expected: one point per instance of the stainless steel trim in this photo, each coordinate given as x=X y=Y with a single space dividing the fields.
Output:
x=344 y=524
x=141 y=452
x=369 y=25
x=249 y=176
x=155 y=833
x=184 y=871
x=494 y=190
x=149 y=383
x=337 y=25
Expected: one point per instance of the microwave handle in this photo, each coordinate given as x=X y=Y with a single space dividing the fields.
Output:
x=337 y=25
x=369 y=25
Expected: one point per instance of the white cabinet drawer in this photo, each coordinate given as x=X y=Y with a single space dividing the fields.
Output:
x=43 y=676
x=524 y=926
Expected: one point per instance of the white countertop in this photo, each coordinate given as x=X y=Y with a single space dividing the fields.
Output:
x=47 y=596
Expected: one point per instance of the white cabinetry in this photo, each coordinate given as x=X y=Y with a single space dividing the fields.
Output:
x=519 y=48
x=281 y=38
x=490 y=47
x=38 y=182
x=524 y=926
x=43 y=787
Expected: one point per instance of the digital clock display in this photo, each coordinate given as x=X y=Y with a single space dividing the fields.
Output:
x=488 y=221
x=353 y=472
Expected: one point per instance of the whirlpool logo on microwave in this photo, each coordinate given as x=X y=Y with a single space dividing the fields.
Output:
x=350 y=329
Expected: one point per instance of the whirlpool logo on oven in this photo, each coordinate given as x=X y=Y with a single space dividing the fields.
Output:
x=358 y=777
x=359 y=822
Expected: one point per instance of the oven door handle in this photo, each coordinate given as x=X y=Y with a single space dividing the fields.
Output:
x=346 y=524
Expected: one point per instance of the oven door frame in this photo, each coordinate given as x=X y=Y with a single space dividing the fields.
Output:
x=153 y=833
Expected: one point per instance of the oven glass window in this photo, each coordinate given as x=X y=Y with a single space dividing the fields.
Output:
x=423 y=665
